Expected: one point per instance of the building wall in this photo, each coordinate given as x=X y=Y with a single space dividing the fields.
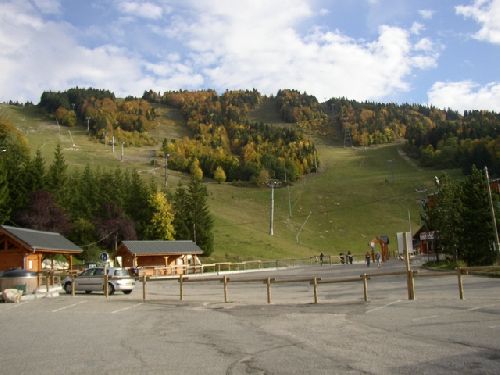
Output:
x=127 y=257
x=11 y=259
x=33 y=260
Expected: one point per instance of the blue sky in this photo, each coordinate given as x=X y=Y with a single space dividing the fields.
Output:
x=445 y=53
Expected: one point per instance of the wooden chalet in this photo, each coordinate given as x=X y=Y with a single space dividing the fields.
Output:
x=171 y=257
x=27 y=248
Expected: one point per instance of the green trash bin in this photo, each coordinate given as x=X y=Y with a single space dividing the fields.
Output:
x=22 y=288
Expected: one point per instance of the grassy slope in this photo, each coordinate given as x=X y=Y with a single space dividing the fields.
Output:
x=356 y=195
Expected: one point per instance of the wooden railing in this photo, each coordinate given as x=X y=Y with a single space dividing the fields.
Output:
x=315 y=281
x=219 y=267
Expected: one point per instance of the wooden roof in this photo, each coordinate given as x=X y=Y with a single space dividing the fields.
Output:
x=172 y=247
x=42 y=241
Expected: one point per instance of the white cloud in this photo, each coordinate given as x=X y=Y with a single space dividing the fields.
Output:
x=232 y=44
x=424 y=44
x=222 y=44
x=416 y=28
x=465 y=95
x=48 y=6
x=426 y=14
x=43 y=55
x=141 y=9
x=324 y=12
x=487 y=14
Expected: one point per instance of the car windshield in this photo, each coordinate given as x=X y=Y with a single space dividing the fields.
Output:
x=88 y=272
x=121 y=272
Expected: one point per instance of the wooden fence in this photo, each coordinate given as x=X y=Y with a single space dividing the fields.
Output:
x=316 y=281
x=234 y=266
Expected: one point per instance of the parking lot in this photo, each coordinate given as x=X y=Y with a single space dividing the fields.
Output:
x=436 y=333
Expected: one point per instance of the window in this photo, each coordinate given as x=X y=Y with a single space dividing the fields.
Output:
x=99 y=272
x=88 y=272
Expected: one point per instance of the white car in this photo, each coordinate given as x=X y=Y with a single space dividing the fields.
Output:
x=92 y=280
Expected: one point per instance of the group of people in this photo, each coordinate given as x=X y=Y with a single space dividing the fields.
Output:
x=375 y=256
x=344 y=258
x=370 y=256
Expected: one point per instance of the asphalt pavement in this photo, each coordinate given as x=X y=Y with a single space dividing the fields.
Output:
x=435 y=334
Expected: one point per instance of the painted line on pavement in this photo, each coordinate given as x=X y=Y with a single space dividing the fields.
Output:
x=454 y=312
x=480 y=307
x=126 y=308
x=383 y=307
x=68 y=306
x=424 y=317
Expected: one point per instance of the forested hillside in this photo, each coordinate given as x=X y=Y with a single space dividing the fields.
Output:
x=235 y=136
x=224 y=138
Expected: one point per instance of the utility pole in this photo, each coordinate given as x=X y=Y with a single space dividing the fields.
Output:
x=493 y=217
x=272 y=184
x=166 y=165
x=289 y=200
x=271 y=222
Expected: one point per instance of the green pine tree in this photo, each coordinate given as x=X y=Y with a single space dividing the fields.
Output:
x=202 y=221
x=183 y=218
x=478 y=228
x=34 y=172
x=4 y=195
x=447 y=214
x=57 y=175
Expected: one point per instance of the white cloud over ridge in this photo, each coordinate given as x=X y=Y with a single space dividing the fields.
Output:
x=225 y=45
x=465 y=95
x=42 y=55
x=487 y=14
x=141 y=9
x=426 y=14
x=261 y=47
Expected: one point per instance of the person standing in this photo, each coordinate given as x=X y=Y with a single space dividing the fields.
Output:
x=321 y=257
x=377 y=258
x=368 y=258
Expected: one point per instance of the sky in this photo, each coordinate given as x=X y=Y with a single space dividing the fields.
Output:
x=444 y=53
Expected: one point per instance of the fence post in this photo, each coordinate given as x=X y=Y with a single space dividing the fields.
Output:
x=460 y=283
x=105 y=286
x=181 y=292
x=73 y=286
x=144 y=281
x=225 y=289
x=411 y=285
x=268 y=284
x=315 y=283
x=365 y=287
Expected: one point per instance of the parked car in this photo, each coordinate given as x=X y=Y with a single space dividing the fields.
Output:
x=92 y=280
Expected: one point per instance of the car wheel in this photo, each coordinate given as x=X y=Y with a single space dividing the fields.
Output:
x=127 y=291
x=67 y=288
x=88 y=291
x=111 y=289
